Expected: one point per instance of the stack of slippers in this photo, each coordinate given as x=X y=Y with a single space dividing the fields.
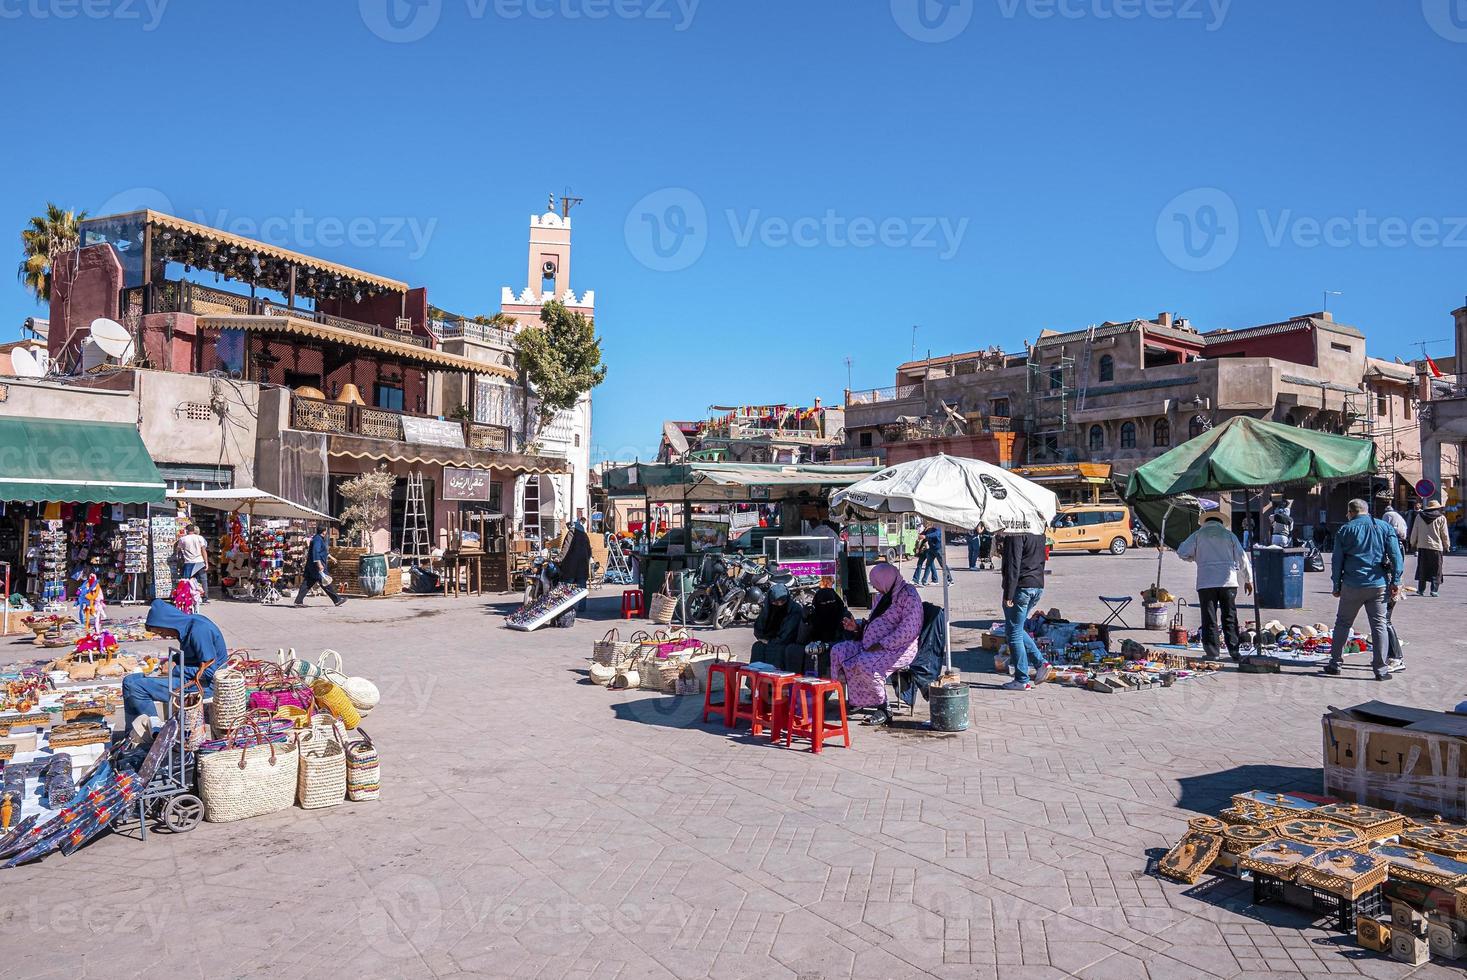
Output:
x=60 y=785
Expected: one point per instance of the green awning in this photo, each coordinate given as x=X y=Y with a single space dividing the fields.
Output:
x=1245 y=453
x=76 y=463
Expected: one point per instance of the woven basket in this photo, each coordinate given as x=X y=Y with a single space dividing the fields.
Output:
x=363 y=772
x=663 y=608
x=362 y=693
x=331 y=697
x=321 y=778
x=612 y=651
x=231 y=699
x=602 y=674
x=248 y=782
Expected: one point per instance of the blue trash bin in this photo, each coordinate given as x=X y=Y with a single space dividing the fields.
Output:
x=1278 y=575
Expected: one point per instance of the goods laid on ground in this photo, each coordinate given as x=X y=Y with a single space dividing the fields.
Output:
x=553 y=606
x=267 y=738
x=1081 y=656
x=672 y=662
x=1396 y=883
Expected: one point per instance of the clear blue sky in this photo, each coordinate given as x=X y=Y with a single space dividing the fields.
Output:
x=1051 y=139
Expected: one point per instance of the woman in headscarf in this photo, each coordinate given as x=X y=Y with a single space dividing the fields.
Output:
x=1431 y=539
x=777 y=631
x=887 y=643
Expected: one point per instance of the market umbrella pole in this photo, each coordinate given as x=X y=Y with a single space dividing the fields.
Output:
x=947 y=616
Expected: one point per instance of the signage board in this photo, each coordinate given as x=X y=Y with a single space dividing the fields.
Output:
x=466 y=484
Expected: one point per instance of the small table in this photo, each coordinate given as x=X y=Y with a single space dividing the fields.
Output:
x=469 y=564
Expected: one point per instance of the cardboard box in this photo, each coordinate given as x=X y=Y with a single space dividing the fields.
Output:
x=1397 y=758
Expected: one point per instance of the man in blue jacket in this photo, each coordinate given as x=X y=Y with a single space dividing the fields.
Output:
x=1367 y=572
x=203 y=650
x=316 y=559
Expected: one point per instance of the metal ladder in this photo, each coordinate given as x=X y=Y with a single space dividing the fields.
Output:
x=415 y=545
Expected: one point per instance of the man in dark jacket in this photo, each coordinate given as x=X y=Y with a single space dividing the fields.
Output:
x=203 y=652
x=575 y=560
x=1023 y=585
x=316 y=558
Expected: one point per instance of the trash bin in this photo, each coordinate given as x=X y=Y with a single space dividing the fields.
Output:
x=1278 y=575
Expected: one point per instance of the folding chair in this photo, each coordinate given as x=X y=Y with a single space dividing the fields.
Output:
x=1116 y=604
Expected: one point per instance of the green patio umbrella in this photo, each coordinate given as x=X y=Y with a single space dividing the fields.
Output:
x=1245 y=453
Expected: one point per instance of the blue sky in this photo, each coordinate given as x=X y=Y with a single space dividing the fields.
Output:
x=774 y=186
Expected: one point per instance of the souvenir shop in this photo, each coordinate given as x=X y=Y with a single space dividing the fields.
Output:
x=261 y=543
x=73 y=506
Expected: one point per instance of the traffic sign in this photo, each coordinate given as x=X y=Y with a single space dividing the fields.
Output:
x=1425 y=489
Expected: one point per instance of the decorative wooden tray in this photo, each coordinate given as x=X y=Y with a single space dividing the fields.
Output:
x=1191 y=858
x=1257 y=814
x=1323 y=834
x=1277 y=858
x=1450 y=843
x=1243 y=837
x=1348 y=874
x=1423 y=867
x=1372 y=822
x=1278 y=801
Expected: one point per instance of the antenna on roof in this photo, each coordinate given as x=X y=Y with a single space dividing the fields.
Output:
x=1327 y=294
x=566 y=203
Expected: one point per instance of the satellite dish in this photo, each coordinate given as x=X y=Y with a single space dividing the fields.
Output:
x=112 y=337
x=23 y=364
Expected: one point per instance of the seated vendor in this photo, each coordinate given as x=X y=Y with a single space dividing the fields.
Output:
x=777 y=631
x=203 y=652
x=887 y=643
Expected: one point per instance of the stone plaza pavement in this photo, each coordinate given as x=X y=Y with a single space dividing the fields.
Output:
x=534 y=825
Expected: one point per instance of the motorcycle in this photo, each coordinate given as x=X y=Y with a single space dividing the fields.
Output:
x=543 y=576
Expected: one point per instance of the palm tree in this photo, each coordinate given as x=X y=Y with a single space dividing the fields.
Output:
x=42 y=240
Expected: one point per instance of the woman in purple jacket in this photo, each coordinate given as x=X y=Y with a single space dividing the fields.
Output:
x=887 y=643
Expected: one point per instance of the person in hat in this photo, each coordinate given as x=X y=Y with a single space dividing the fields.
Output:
x=203 y=651
x=1222 y=565
x=1431 y=538
x=1366 y=573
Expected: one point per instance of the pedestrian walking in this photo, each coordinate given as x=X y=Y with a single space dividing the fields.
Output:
x=935 y=557
x=923 y=558
x=1023 y=587
x=974 y=546
x=1366 y=572
x=193 y=555
x=1431 y=538
x=1222 y=565
x=317 y=558
x=1397 y=522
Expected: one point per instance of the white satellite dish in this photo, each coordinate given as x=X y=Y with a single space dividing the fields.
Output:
x=112 y=337
x=23 y=364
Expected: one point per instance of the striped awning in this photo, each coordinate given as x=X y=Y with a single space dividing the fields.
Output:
x=407 y=353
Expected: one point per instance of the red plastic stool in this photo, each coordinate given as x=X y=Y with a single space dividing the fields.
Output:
x=729 y=671
x=743 y=710
x=769 y=704
x=631 y=604
x=805 y=713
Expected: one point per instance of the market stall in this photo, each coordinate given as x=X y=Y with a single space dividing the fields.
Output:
x=264 y=546
x=1253 y=456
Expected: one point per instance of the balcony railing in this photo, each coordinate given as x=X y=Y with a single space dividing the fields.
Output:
x=340 y=418
x=175 y=296
x=469 y=330
x=875 y=396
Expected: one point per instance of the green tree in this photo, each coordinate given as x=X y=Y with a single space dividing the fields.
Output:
x=561 y=359
x=44 y=238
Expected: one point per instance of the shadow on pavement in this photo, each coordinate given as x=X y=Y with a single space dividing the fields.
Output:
x=1210 y=793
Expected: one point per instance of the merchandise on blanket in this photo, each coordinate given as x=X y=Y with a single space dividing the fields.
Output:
x=363 y=773
x=553 y=604
x=321 y=777
x=79 y=733
x=249 y=780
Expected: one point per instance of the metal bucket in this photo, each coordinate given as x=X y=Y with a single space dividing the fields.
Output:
x=1156 y=617
x=372 y=574
x=949 y=707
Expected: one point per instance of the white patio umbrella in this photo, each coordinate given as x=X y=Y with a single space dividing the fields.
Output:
x=952 y=492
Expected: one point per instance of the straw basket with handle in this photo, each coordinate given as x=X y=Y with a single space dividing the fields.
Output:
x=188 y=704
x=611 y=650
x=330 y=696
x=231 y=700
x=362 y=693
x=363 y=772
x=662 y=609
x=249 y=780
x=321 y=779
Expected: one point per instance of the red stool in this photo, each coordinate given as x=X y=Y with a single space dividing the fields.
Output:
x=743 y=710
x=770 y=701
x=631 y=604
x=805 y=712
x=729 y=671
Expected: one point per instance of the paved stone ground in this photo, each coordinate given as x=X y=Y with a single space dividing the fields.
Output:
x=534 y=825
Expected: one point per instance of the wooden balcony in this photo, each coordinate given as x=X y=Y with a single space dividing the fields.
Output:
x=339 y=418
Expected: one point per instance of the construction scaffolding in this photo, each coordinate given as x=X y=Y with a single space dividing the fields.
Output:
x=1052 y=397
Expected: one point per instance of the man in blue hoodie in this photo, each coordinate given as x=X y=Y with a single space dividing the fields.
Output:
x=203 y=652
